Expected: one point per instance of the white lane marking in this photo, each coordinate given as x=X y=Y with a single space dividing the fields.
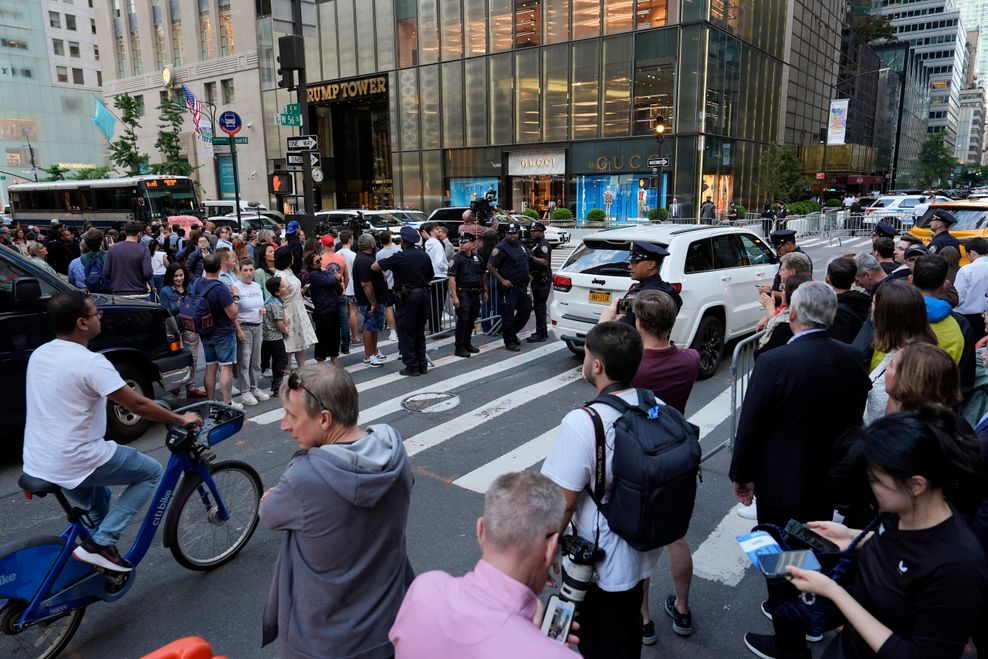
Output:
x=361 y=366
x=719 y=558
x=534 y=451
x=445 y=431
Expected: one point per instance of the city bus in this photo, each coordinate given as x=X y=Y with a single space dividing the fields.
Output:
x=104 y=203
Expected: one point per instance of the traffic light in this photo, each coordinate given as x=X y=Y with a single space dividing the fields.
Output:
x=291 y=57
x=281 y=183
x=660 y=128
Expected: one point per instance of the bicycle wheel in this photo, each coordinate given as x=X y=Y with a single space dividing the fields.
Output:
x=44 y=640
x=194 y=532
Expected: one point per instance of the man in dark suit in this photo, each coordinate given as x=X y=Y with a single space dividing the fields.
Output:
x=801 y=398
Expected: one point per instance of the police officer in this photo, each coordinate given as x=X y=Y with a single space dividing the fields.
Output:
x=467 y=281
x=643 y=264
x=412 y=270
x=883 y=230
x=509 y=265
x=784 y=242
x=540 y=265
x=940 y=226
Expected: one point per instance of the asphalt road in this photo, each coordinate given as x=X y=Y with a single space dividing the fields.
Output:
x=509 y=406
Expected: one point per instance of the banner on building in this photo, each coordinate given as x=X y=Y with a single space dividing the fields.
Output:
x=206 y=136
x=837 y=126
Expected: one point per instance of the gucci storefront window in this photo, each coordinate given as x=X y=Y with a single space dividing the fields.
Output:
x=614 y=176
x=535 y=178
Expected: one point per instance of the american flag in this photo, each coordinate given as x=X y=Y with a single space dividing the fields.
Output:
x=195 y=108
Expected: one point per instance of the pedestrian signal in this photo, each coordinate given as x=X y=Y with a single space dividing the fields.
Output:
x=281 y=183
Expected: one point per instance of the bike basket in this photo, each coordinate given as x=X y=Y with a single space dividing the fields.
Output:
x=220 y=421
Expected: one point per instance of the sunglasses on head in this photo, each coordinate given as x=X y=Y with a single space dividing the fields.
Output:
x=295 y=382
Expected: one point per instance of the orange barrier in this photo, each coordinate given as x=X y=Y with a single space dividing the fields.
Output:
x=190 y=647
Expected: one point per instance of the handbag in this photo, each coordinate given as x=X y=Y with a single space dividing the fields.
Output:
x=807 y=612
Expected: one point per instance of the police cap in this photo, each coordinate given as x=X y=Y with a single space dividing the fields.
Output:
x=782 y=236
x=647 y=252
x=466 y=238
x=513 y=228
x=916 y=250
x=944 y=216
x=409 y=235
x=537 y=226
x=885 y=230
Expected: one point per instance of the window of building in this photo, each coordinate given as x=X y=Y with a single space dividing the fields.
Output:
x=528 y=92
x=476 y=113
x=586 y=83
x=227 y=44
x=70 y=22
x=55 y=19
x=62 y=74
x=406 y=17
x=178 y=45
x=78 y=77
x=69 y=2
x=210 y=92
x=655 y=77
x=555 y=93
x=121 y=57
x=99 y=78
x=135 y=54
x=618 y=16
x=475 y=27
x=652 y=13
x=160 y=52
x=96 y=52
x=451 y=26
x=13 y=43
x=58 y=47
x=618 y=53
x=92 y=25
x=207 y=41
x=226 y=86
x=501 y=81
x=501 y=24
x=139 y=104
x=74 y=49
x=116 y=8
x=528 y=23
x=586 y=18
x=556 y=20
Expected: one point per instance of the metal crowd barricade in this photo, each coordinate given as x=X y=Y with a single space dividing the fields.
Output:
x=742 y=362
x=442 y=314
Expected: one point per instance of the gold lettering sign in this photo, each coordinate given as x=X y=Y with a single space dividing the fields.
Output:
x=349 y=89
x=538 y=162
x=617 y=163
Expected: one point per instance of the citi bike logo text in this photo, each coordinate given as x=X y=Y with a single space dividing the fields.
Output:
x=7 y=578
x=160 y=511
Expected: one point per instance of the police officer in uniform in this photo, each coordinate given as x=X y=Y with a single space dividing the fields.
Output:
x=467 y=281
x=883 y=230
x=412 y=270
x=784 y=242
x=509 y=265
x=940 y=227
x=540 y=265
x=643 y=264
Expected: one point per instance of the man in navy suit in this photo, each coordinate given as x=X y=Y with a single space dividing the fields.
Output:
x=801 y=398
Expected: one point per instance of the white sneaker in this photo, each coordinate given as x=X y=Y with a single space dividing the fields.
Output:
x=393 y=336
x=238 y=406
x=235 y=391
x=380 y=357
x=248 y=398
x=260 y=395
x=266 y=373
x=373 y=361
x=748 y=512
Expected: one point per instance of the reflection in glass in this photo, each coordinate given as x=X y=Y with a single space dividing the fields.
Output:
x=475 y=100
x=655 y=13
x=691 y=70
x=586 y=18
x=452 y=29
x=556 y=20
x=586 y=84
x=618 y=15
x=407 y=34
x=432 y=180
x=617 y=86
x=366 y=56
x=429 y=97
x=452 y=104
x=347 y=34
x=528 y=90
x=501 y=24
x=328 y=53
x=555 y=94
x=655 y=79
x=501 y=95
x=384 y=15
x=428 y=32
x=475 y=27
x=408 y=94
x=528 y=23
x=411 y=180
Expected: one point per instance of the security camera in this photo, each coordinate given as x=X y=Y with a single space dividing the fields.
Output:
x=250 y=125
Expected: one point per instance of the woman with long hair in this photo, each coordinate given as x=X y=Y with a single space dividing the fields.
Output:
x=921 y=374
x=301 y=335
x=899 y=318
x=19 y=240
x=159 y=264
x=174 y=287
x=921 y=580
x=324 y=291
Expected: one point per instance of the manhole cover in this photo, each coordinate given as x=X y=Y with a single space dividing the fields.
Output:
x=429 y=403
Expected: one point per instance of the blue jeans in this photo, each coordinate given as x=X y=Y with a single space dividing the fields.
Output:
x=344 y=325
x=139 y=472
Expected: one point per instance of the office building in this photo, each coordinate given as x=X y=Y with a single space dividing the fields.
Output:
x=428 y=103
x=211 y=46
x=974 y=13
x=49 y=73
x=971 y=126
x=935 y=30
x=902 y=114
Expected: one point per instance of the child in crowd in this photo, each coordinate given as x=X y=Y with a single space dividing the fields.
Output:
x=275 y=331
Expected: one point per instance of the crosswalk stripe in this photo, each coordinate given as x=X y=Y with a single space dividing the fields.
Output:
x=719 y=558
x=445 y=431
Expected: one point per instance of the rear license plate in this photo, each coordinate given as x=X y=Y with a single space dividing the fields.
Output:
x=600 y=297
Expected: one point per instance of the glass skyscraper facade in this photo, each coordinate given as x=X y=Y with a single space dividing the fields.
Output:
x=424 y=103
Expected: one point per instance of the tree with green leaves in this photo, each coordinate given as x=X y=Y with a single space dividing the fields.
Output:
x=780 y=173
x=124 y=153
x=92 y=173
x=170 y=122
x=972 y=175
x=55 y=173
x=873 y=28
x=936 y=163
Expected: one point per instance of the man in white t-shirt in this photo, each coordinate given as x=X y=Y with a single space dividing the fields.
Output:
x=63 y=442
x=610 y=615
x=346 y=251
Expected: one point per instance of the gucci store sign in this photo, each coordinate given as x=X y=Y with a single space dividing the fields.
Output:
x=537 y=163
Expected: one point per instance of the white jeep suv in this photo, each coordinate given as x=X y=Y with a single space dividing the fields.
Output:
x=715 y=269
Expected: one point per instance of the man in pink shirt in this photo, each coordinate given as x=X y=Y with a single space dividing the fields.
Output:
x=488 y=613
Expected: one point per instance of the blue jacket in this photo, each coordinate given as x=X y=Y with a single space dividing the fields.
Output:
x=168 y=298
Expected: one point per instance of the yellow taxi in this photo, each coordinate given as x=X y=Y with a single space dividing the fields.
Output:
x=972 y=222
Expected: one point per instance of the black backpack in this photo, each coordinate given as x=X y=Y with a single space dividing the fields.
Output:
x=656 y=463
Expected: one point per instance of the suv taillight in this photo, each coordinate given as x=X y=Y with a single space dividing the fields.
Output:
x=677 y=287
x=172 y=335
x=562 y=284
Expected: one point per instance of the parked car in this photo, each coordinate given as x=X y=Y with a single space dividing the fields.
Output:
x=220 y=207
x=553 y=235
x=714 y=268
x=413 y=217
x=254 y=220
x=972 y=222
x=898 y=208
x=358 y=221
x=451 y=217
x=141 y=339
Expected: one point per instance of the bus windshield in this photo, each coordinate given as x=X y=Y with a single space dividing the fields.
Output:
x=167 y=197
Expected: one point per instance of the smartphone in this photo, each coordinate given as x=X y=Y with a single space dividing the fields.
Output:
x=774 y=565
x=811 y=539
x=558 y=619
x=625 y=305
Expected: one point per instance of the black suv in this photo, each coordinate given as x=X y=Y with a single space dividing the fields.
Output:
x=141 y=339
x=451 y=217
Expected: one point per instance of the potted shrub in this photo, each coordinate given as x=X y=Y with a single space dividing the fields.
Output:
x=532 y=213
x=595 y=215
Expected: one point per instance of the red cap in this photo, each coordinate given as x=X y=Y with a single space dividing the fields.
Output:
x=327 y=240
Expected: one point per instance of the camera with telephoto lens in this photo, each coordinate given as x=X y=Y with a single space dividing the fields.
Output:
x=482 y=210
x=579 y=557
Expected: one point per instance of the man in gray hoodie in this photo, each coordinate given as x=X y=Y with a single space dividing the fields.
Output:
x=343 y=568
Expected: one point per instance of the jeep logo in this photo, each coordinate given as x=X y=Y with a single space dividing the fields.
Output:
x=599 y=282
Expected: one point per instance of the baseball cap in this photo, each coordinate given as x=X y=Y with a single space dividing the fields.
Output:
x=327 y=240
x=293 y=226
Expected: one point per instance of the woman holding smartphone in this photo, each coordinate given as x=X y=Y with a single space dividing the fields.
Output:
x=922 y=578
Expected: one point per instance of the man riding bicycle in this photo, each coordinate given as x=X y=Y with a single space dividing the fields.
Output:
x=67 y=388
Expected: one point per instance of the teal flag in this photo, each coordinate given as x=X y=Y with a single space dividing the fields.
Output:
x=104 y=120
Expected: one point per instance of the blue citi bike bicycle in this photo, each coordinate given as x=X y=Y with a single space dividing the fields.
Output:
x=210 y=511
